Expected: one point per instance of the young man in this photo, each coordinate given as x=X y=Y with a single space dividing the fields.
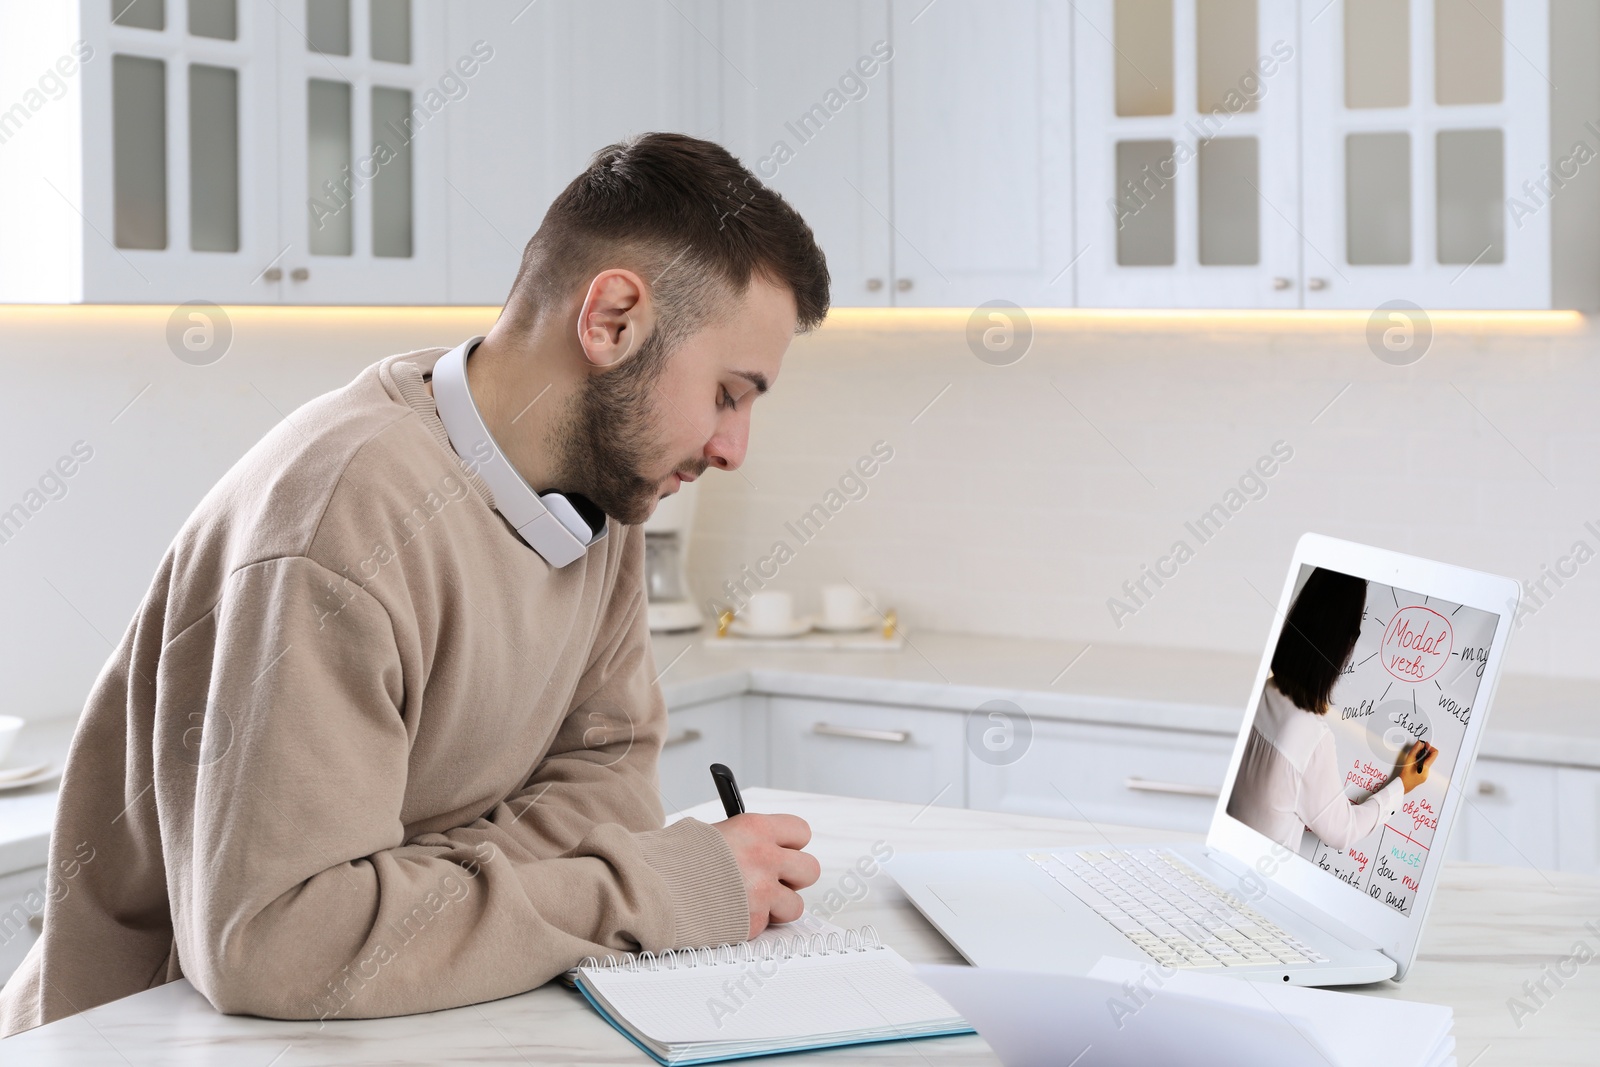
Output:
x=376 y=742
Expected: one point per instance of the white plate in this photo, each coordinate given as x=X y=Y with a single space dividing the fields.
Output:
x=795 y=628
x=43 y=774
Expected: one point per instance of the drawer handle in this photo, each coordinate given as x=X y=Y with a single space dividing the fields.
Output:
x=1145 y=785
x=894 y=737
x=682 y=737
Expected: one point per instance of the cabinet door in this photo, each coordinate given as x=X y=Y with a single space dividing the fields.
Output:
x=364 y=99
x=982 y=153
x=867 y=750
x=1167 y=779
x=1426 y=139
x=1508 y=815
x=697 y=737
x=566 y=80
x=1188 y=190
x=1578 y=819
x=179 y=143
x=808 y=114
x=22 y=900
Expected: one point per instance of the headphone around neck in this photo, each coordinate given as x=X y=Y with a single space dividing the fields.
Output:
x=559 y=528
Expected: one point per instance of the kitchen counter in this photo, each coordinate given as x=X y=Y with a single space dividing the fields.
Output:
x=1490 y=930
x=1546 y=720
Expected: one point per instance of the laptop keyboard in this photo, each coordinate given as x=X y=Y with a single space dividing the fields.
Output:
x=1177 y=916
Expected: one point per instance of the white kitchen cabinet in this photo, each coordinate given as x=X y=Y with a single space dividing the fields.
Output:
x=877 y=751
x=982 y=153
x=567 y=79
x=1187 y=149
x=364 y=94
x=1378 y=152
x=1116 y=775
x=1578 y=819
x=1422 y=121
x=177 y=161
x=720 y=731
x=1508 y=815
x=22 y=899
x=806 y=108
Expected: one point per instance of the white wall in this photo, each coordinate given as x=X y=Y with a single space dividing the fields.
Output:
x=1003 y=510
x=1006 y=511
x=71 y=578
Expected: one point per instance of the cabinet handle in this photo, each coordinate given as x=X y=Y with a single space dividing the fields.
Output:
x=682 y=737
x=903 y=284
x=1316 y=284
x=1487 y=789
x=300 y=274
x=1280 y=282
x=874 y=284
x=272 y=274
x=894 y=737
x=1145 y=785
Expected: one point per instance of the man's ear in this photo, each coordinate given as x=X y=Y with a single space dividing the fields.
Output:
x=616 y=317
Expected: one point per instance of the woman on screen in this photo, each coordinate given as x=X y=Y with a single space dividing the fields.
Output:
x=1290 y=779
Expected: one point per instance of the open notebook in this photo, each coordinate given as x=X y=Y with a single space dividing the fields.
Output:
x=800 y=986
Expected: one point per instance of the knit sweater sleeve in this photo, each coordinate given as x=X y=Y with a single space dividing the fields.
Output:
x=294 y=891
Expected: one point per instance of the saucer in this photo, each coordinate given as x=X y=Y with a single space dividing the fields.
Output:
x=796 y=627
x=42 y=772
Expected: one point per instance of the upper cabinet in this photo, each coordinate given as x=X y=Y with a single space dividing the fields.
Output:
x=1427 y=119
x=364 y=91
x=806 y=107
x=981 y=153
x=1188 y=153
x=226 y=150
x=1104 y=153
x=1255 y=154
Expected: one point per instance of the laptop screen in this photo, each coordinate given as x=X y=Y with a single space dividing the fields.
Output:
x=1359 y=731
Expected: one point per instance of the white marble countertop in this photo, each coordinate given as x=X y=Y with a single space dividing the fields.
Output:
x=1547 y=720
x=1491 y=929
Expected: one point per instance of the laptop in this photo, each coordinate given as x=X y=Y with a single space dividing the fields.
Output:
x=1379 y=669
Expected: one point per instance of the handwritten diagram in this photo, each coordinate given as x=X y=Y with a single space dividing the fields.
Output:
x=1414 y=675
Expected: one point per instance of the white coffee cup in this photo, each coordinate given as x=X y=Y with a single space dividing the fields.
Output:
x=843 y=606
x=769 y=611
x=10 y=726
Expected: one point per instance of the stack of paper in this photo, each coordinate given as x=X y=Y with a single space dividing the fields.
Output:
x=1132 y=1013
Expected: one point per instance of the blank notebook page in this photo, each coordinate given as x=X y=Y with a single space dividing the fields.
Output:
x=807 y=995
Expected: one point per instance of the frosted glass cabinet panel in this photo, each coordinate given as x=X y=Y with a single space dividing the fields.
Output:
x=362 y=128
x=1415 y=162
x=175 y=130
x=1186 y=137
x=231 y=151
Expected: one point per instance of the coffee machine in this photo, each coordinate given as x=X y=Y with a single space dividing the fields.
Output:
x=671 y=605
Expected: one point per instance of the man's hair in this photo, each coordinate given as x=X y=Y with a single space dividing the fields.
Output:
x=1318 y=636
x=688 y=218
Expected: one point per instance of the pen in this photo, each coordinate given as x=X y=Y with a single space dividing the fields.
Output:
x=727 y=789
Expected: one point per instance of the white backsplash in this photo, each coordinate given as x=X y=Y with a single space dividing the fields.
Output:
x=1018 y=502
x=1023 y=498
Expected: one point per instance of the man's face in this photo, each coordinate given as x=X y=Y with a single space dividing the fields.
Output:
x=641 y=429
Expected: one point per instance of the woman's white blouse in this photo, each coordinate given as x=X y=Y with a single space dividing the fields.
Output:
x=1290 y=779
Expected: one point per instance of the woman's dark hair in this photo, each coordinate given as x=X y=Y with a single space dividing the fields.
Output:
x=1318 y=637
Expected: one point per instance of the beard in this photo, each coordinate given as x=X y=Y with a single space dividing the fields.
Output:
x=609 y=437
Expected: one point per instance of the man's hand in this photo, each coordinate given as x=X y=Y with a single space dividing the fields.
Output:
x=767 y=848
x=1415 y=762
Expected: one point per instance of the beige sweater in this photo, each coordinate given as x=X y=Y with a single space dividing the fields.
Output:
x=362 y=752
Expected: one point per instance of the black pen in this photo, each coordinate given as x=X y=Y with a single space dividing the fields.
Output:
x=727 y=789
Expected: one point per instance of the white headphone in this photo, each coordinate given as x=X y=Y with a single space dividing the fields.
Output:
x=559 y=528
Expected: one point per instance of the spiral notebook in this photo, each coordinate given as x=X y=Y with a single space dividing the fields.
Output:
x=814 y=987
